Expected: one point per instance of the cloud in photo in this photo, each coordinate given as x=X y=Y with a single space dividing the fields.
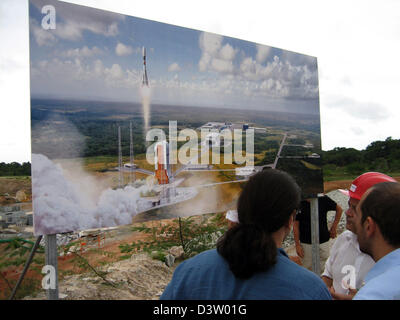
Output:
x=123 y=50
x=286 y=75
x=73 y=20
x=279 y=78
x=41 y=36
x=82 y=78
x=84 y=52
x=174 y=67
x=215 y=56
x=262 y=53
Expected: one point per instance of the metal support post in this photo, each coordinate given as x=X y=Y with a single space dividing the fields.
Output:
x=51 y=259
x=315 y=236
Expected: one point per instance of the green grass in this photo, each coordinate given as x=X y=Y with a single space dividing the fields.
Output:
x=16 y=177
x=90 y=160
x=333 y=173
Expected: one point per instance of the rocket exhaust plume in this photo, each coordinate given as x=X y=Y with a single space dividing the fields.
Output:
x=145 y=93
x=63 y=204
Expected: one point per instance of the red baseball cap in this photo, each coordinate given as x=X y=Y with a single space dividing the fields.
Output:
x=364 y=182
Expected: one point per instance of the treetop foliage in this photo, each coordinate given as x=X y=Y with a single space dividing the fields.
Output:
x=377 y=156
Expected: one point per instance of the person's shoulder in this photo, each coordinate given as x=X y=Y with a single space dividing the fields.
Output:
x=304 y=280
x=298 y=272
x=207 y=257
x=384 y=286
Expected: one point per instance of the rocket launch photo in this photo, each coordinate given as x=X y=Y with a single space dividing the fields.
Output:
x=117 y=77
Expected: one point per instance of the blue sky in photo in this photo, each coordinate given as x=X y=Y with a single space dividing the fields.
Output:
x=97 y=55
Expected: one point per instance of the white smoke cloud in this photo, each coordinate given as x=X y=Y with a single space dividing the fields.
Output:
x=61 y=205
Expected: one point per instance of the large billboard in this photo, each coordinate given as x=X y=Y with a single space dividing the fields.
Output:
x=135 y=120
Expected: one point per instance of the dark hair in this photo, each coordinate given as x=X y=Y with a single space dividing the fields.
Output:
x=382 y=204
x=264 y=206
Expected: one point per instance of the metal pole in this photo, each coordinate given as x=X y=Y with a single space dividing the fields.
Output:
x=315 y=236
x=132 y=175
x=180 y=234
x=120 y=167
x=27 y=264
x=52 y=260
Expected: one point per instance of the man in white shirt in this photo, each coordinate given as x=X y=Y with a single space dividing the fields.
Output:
x=347 y=266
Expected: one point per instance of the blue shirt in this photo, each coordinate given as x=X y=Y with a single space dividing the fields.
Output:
x=207 y=276
x=383 y=280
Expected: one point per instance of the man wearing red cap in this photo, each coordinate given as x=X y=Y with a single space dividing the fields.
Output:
x=347 y=266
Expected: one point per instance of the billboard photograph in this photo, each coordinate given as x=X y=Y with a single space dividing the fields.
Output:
x=135 y=120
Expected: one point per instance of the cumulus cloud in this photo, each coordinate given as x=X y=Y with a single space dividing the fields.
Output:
x=280 y=78
x=83 y=78
x=215 y=56
x=83 y=52
x=227 y=52
x=262 y=53
x=210 y=43
x=123 y=50
x=174 y=67
x=72 y=30
x=115 y=71
x=288 y=75
x=41 y=36
x=221 y=65
x=73 y=20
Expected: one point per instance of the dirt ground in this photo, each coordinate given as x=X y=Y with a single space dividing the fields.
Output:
x=342 y=184
x=109 y=252
x=334 y=185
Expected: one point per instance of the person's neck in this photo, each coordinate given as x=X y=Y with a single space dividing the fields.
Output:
x=278 y=237
x=382 y=250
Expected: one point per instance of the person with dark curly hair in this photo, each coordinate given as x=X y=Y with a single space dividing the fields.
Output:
x=249 y=262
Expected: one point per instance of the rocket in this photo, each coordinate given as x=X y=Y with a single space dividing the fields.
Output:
x=145 y=80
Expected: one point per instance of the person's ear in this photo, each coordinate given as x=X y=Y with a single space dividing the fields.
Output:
x=370 y=227
x=291 y=220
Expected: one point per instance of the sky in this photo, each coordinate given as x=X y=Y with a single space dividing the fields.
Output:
x=356 y=45
x=93 y=54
